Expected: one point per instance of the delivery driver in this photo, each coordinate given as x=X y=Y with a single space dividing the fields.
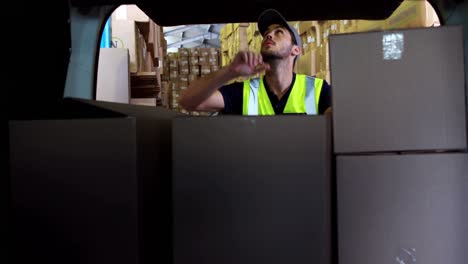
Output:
x=279 y=91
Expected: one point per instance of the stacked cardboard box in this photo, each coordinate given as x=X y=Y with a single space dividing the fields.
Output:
x=315 y=59
x=237 y=37
x=132 y=29
x=267 y=209
x=400 y=139
x=310 y=33
x=126 y=35
x=184 y=66
x=93 y=165
x=113 y=76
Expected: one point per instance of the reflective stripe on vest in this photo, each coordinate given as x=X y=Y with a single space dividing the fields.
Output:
x=303 y=98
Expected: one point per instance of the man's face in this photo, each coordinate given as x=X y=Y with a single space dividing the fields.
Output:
x=276 y=44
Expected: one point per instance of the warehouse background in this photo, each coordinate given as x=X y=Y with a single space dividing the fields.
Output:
x=143 y=63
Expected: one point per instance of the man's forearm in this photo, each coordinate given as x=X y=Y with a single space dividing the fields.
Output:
x=200 y=89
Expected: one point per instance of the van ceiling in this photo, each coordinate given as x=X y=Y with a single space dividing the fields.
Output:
x=191 y=36
x=235 y=11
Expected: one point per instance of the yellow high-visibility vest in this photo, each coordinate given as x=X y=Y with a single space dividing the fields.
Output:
x=303 y=98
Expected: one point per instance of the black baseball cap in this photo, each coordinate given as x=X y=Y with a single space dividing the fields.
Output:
x=270 y=17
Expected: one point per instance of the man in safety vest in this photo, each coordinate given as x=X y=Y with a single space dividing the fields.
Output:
x=279 y=91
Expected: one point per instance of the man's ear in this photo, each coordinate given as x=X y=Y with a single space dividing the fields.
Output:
x=296 y=50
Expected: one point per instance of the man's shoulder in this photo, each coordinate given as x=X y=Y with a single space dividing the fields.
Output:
x=232 y=96
x=240 y=83
x=314 y=77
x=310 y=76
x=232 y=85
x=231 y=89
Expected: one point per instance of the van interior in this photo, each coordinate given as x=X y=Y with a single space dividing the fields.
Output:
x=88 y=181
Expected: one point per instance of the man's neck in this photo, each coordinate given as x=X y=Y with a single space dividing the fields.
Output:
x=279 y=78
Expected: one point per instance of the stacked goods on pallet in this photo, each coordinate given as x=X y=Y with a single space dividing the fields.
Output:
x=182 y=67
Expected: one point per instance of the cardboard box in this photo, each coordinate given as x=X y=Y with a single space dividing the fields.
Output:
x=205 y=69
x=183 y=78
x=348 y=26
x=324 y=75
x=310 y=39
x=173 y=64
x=154 y=40
x=307 y=63
x=213 y=60
x=324 y=62
x=214 y=68
x=129 y=12
x=183 y=52
x=225 y=59
x=184 y=69
x=172 y=55
x=125 y=35
x=370 y=25
x=304 y=26
x=195 y=70
x=227 y=29
x=407 y=207
x=174 y=74
x=225 y=46
x=389 y=94
x=203 y=60
x=161 y=58
x=183 y=85
x=237 y=25
x=183 y=61
x=193 y=61
x=192 y=77
x=142 y=50
x=113 y=75
x=149 y=66
x=92 y=171
x=252 y=30
x=295 y=25
x=174 y=86
x=410 y=14
x=214 y=52
x=165 y=93
x=241 y=39
x=334 y=26
x=202 y=52
x=143 y=101
x=275 y=201
x=193 y=52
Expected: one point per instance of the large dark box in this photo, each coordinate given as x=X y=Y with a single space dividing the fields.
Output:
x=90 y=183
x=403 y=208
x=252 y=190
x=401 y=90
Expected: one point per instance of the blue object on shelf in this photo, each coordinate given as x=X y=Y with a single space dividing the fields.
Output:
x=106 y=37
